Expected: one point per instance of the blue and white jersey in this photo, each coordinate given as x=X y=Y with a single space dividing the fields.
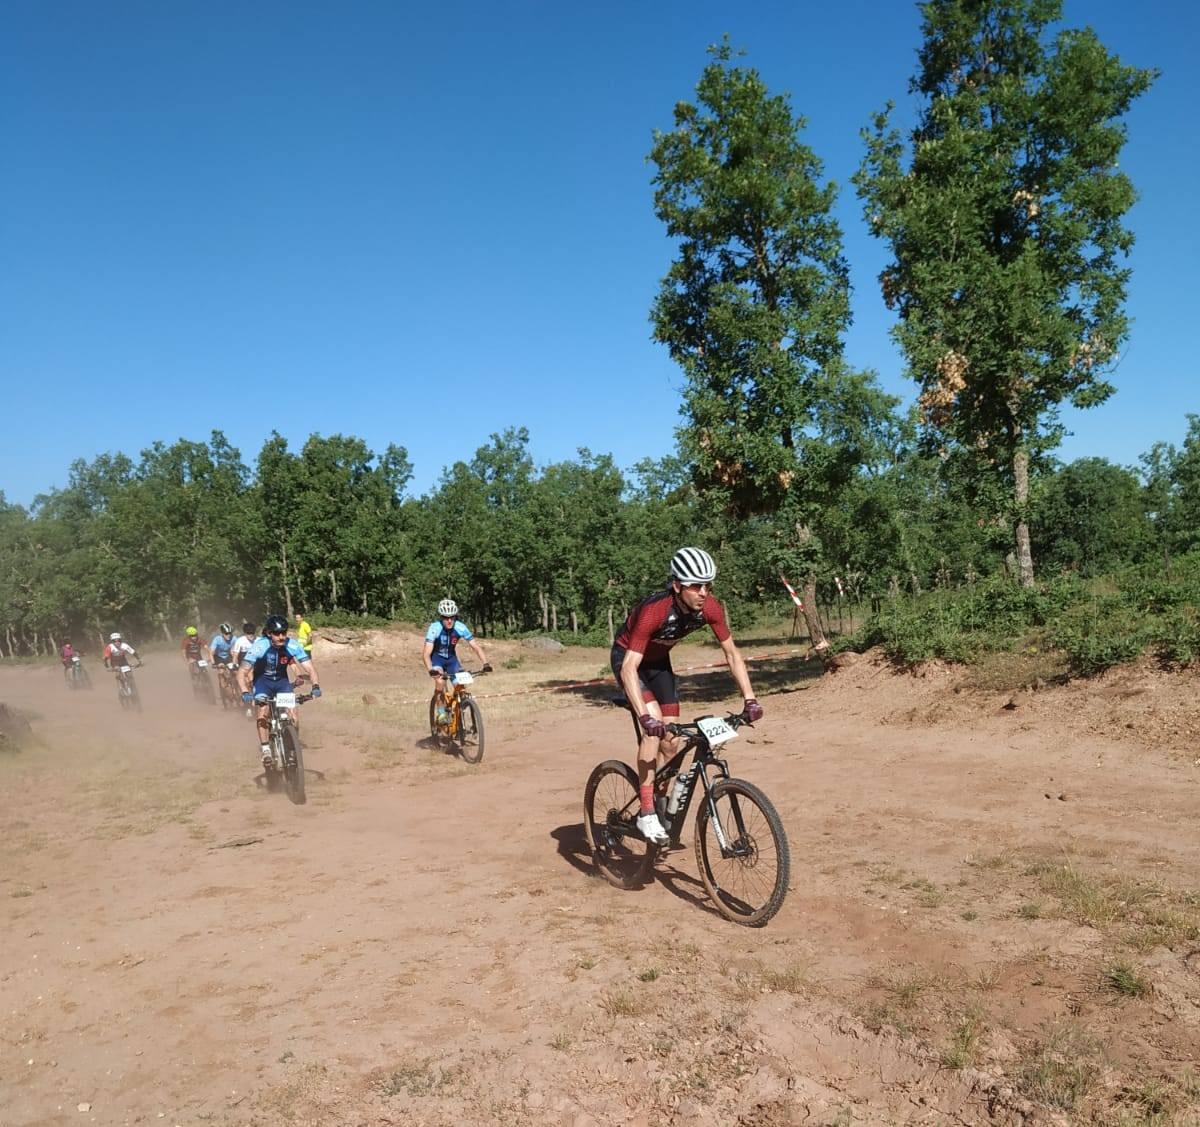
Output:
x=273 y=661
x=220 y=648
x=444 y=641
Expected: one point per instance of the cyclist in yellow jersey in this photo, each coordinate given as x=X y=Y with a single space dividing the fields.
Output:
x=304 y=633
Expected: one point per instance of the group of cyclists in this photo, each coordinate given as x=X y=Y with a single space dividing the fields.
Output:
x=640 y=659
x=641 y=663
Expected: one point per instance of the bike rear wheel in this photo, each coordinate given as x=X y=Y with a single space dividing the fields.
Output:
x=610 y=810
x=470 y=731
x=293 y=766
x=749 y=882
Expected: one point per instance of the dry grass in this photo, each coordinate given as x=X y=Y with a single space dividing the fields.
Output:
x=966 y=1041
x=1141 y=914
x=1006 y=672
x=621 y=1003
x=790 y=979
x=422 y=1076
x=1061 y=1069
x=132 y=799
x=1125 y=979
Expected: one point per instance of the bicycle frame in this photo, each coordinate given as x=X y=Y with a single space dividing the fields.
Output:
x=281 y=718
x=703 y=758
x=451 y=696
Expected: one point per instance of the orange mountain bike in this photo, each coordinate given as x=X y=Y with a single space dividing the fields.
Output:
x=455 y=719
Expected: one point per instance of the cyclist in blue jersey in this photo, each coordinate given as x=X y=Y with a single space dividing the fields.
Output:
x=221 y=651
x=441 y=640
x=264 y=672
x=221 y=646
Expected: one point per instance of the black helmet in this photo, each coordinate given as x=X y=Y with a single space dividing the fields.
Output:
x=248 y=628
x=226 y=628
x=275 y=624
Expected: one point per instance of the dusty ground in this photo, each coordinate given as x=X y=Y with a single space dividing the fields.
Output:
x=994 y=915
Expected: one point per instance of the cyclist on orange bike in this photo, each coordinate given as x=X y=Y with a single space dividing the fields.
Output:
x=441 y=641
x=641 y=661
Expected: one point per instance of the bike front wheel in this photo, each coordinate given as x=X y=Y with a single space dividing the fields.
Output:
x=470 y=731
x=435 y=732
x=610 y=810
x=747 y=878
x=293 y=766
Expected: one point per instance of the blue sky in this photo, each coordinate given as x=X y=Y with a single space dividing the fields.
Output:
x=421 y=226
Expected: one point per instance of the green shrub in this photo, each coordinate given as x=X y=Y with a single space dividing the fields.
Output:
x=1177 y=637
x=1097 y=624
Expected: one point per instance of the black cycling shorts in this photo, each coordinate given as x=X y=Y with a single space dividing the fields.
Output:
x=657 y=681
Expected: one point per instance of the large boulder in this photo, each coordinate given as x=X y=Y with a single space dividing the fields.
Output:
x=546 y=645
x=340 y=636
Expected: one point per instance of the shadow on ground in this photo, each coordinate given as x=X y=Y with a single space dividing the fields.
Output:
x=778 y=675
x=574 y=849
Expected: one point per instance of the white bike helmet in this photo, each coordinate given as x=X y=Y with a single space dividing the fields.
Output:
x=693 y=565
x=447 y=608
x=114 y=637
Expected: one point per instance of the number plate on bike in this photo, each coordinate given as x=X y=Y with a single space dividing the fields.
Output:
x=462 y=677
x=126 y=669
x=716 y=731
x=285 y=700
x=202 y=663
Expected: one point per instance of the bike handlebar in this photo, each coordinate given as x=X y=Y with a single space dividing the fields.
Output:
x=733 y=719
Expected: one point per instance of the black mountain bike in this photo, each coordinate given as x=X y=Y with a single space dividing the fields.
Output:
x=741 y=848
x=202 y=688
x=127 y=692
x=287 y=755
x=77 y=676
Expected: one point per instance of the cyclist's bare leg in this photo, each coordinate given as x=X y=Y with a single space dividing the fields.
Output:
x=262 y=715
x=653 y=751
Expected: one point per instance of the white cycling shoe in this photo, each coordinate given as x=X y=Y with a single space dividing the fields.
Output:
x=652 y=829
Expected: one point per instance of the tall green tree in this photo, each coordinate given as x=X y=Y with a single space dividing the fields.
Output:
x=753 y=308
x=1172 y=492
x=1004 y=216
x=1091 y=518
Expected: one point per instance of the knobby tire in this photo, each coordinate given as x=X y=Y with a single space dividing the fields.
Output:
x=748 y=890
x=610 y=801
x=293 y=766
x=470 y=731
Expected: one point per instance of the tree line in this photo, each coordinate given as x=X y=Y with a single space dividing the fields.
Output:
x=1002 y=208
x=189 y=532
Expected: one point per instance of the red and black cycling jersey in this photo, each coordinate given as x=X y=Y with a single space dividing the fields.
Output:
x=659 y=621
x=191 y=647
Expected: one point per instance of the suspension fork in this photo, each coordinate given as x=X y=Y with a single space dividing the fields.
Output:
x=714 y=818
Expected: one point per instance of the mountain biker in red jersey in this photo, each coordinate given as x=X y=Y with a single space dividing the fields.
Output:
x=641 y=660
x=191 y=647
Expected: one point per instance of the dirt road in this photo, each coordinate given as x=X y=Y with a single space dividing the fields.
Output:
x=994 y=915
